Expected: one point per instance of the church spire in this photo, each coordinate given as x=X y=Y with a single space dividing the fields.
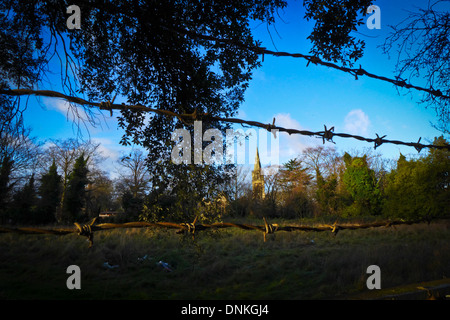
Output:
x=257 y=161
x=257 y=179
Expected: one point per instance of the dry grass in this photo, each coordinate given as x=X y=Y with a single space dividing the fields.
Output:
x=225 y=264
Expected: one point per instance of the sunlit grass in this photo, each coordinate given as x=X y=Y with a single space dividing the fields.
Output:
x=222 y=264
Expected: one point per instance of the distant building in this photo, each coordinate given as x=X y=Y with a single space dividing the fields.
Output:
x=257 y=179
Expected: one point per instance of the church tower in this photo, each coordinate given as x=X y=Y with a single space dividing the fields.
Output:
x=257 y=179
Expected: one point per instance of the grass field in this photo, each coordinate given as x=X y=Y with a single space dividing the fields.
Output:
x=223 y=264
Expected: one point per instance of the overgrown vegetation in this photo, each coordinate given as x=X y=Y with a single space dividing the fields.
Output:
x=199 y=56
x=143 y=67
x=320 y=182
x=228 y=264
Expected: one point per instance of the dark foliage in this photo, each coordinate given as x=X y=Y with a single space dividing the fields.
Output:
x=334 y=22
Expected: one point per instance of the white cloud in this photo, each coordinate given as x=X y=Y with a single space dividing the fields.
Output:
x=357 y=122
x=71 y=112
x=111 y=151
x=291 y=145
x=107 y=148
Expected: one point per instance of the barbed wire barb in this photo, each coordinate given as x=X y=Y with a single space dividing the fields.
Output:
x=88 y=229
x=314 y=59
x=327 y=135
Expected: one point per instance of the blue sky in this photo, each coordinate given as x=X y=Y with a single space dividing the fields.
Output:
x=297 y=96
x=309 y=97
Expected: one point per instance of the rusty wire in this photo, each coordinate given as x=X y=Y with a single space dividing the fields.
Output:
x=311 y=59
x=326 y=135
x=88 y=229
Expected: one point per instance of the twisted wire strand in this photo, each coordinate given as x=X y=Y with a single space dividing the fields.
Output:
x=90 y=228
x=326 y=135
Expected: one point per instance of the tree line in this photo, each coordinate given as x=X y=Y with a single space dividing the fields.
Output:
x=323 y=182
x=61 y=181
x=142 y=66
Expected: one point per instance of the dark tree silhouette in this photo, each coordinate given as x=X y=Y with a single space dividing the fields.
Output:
x=74 y=198
x=50 y=192
x=334 y=21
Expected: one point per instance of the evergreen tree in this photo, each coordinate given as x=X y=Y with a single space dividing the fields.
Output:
x=294 y=181
x=326 y=193
x=419 y=188
x=361 y=184
x=132 y=205
x=74 y=199
x=50 y=194
x=24 y=202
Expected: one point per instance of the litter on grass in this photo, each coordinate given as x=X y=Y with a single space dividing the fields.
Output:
x=145 y=257
x=165 y=265
x=108 y=266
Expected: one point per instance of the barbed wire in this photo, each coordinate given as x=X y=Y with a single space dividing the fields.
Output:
x=88 y=229
x=326 y=134
x=314 y=59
